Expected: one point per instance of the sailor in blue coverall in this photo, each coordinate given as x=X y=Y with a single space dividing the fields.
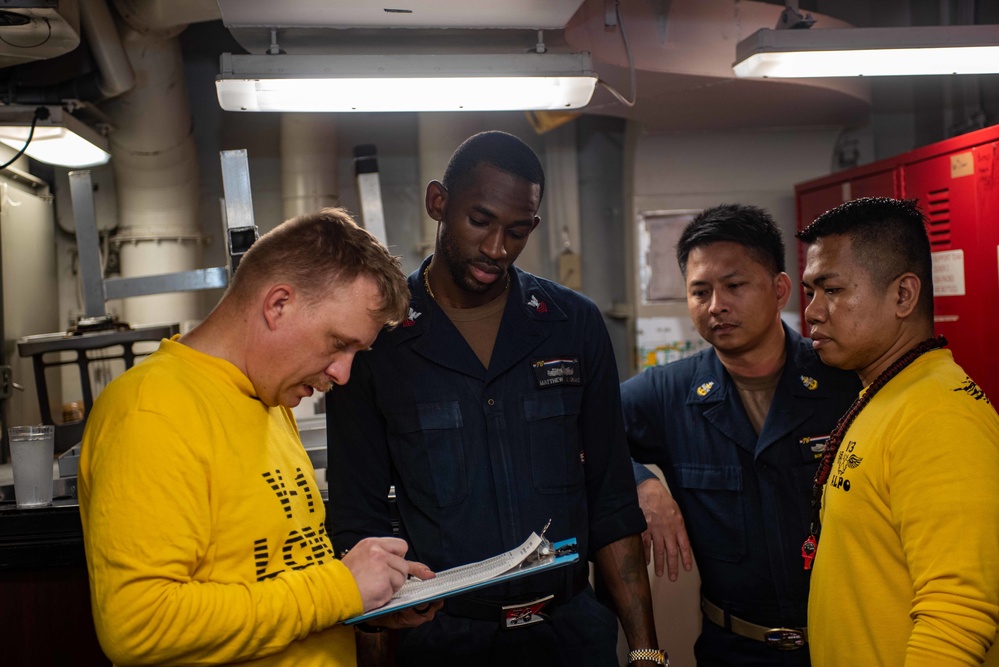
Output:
x=744 y=498
x=738 y=430
x=483 y=452
x=479 y=458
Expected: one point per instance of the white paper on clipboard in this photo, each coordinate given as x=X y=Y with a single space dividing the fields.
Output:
x=448 y=583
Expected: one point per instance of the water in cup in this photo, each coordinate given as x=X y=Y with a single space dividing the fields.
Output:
x=31 y=452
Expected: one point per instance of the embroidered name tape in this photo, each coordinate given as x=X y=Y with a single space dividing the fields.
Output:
x=557 y=371
x=816 y=444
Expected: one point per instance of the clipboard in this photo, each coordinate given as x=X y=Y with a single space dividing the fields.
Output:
x=536 y=555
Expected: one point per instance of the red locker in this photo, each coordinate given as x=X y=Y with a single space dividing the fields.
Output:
x=957 y=184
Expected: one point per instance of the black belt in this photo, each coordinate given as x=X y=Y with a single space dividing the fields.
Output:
x=497 y=609
x=780 y=638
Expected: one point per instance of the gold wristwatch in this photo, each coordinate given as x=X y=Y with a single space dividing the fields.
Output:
x=652 y=654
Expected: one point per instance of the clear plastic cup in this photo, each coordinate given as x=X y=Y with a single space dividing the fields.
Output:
x=31 y=453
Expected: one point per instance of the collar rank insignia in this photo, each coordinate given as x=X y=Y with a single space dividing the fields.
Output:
x=705 y=388
x=411 y=317
x=539 y=306
x=811 y=384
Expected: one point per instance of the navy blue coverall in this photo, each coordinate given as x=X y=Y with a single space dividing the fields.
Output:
x=744 y=498
x=482 y=457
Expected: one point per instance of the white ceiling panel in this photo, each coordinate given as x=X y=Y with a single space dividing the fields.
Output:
x=534 y=14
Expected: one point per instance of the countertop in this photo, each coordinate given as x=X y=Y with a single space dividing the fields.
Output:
x=49 y=536
x=52 y=536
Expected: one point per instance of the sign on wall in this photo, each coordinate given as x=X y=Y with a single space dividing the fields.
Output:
x=658 y=234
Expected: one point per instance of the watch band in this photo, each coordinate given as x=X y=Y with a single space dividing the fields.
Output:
x=655 y=655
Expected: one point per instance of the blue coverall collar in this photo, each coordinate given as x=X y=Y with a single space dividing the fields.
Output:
x=528 y=305
x=714 y=388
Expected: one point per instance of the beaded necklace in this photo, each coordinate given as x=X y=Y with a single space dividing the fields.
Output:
x=811 y=544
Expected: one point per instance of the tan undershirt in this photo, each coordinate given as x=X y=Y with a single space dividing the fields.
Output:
x=480 y=325
x=757 y=394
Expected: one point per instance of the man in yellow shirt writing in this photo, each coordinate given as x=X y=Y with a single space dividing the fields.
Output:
x=203 y=524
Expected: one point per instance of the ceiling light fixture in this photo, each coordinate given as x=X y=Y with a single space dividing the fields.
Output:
x=959 y=49
x=59 y=138
x=446 y=82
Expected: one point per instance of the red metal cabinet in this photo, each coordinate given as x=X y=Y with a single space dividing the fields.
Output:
x=957 y=184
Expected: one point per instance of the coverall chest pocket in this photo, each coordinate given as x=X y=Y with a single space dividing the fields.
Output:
x=553 y=426
x=713 y=500
x=427 y=447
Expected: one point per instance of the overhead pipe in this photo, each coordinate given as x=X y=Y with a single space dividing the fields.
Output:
x=112 y=77
x=141 y=77
x=115 y=74
x=166 y=18
x=155 y=18
x=308 y=162
x=308 y=182
x=438 y=134
x=156 y=175
x=155 y=159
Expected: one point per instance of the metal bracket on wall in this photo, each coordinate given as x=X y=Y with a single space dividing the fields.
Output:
x=792 y=18
x=241 y=233
x=369 y=190
x=99 y=332
x=610 y=13
x=88 y=244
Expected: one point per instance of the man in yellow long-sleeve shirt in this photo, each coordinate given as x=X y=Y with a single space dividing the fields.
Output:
x=907 y=562
x=203 y=524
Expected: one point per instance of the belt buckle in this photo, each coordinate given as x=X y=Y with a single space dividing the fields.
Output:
x=517 y=616
x=784 y=639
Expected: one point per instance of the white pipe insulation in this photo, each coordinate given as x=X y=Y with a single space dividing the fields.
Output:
x=438 y=134
x=156 y=175
x=166 y=18
x=154 y=156
x=308 y=162
x=308 y=182
x=116 y=75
